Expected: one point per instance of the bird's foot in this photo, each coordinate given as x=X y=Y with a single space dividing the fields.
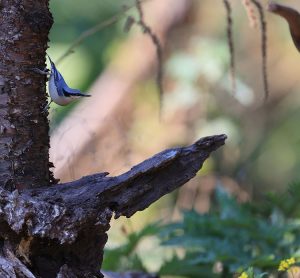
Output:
x=43 y=72
x=45 y=109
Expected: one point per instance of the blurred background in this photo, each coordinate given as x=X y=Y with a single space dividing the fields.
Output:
x=120 y=126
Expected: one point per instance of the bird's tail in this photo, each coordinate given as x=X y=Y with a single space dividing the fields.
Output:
x=75 y=94
x=81 y=95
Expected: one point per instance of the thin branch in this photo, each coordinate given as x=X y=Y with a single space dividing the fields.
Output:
x=250 y=13
x=159 y=53
x=263 y=28
x=230 y=44
x=95 y=29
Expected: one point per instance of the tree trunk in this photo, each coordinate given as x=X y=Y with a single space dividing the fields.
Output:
x=24 y=140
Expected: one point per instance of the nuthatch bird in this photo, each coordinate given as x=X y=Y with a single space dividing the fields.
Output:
x=59 y=91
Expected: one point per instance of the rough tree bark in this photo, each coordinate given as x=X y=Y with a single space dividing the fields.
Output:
x=24 y=140
x=60 y=230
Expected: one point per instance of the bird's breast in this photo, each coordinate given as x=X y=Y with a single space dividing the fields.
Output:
x=60 y=100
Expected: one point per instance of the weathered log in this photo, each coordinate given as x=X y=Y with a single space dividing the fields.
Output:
x=60 y=231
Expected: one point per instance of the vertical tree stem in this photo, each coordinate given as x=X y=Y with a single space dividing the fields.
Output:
x=24 y=140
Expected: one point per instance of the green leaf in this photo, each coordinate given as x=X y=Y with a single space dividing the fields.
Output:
x=183 y=267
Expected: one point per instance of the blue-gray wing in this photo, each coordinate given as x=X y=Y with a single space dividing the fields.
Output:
x=60 y=84
x=69 y=92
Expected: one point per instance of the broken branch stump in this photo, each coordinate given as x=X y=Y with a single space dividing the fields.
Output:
x=60 y=231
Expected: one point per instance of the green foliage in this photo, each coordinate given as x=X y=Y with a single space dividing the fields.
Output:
x=124 y=257
x=250 y=273
x=229 y=239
